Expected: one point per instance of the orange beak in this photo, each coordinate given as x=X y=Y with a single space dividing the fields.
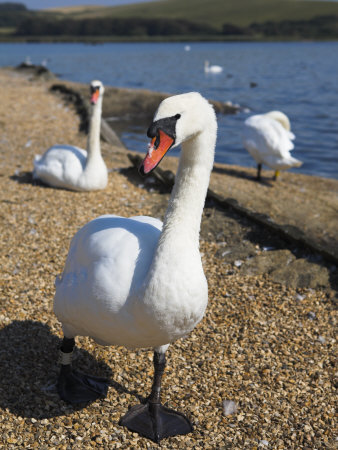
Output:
x=155 y=155
x=95 y=96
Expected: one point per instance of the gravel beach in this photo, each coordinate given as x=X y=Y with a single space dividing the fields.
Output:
x=267 y=342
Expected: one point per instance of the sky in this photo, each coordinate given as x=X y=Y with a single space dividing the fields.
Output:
x=44 y=4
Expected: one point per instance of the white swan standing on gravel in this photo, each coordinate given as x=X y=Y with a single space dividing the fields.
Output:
x=268 y=139
x=212 y=69
x=70 y=167
x=138 y=283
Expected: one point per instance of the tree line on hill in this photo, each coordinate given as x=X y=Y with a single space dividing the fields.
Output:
x=29 y=23
x=318 y=27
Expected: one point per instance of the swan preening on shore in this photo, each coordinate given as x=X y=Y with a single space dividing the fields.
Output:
x=268 y=139
x=212 y=69
x=70 y=167
x=137 y=282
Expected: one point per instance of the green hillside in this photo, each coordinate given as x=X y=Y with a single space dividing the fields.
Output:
x=216 y=12
x=175 y=20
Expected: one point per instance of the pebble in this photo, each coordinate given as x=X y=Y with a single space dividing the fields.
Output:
x=229 y=407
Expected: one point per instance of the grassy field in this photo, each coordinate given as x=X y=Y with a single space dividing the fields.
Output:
x=214 y=12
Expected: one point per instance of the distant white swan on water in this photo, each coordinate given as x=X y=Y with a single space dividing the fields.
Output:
x=268 y=139
x=70 y=167
x=212 y=69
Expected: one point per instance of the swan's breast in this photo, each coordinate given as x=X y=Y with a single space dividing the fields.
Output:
x=108 y=260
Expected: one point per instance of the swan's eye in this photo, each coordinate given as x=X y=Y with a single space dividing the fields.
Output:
x=177 y=116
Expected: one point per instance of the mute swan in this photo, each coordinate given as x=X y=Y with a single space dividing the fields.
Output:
x=212 y=69
x=138 y=283
x=70 y=167
x=268 y=139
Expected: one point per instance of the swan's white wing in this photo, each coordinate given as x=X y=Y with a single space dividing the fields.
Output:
x=268 y=142
x=108 y=260
x=60 y=165
x=216 y=69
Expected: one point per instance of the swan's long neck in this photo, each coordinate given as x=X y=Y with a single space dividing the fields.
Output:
x=182 y=220
x=93 y=143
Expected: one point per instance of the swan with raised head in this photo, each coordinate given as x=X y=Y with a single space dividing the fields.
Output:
x=70 y=167
x=268 y=139
x=137 y=282
x=212 y=69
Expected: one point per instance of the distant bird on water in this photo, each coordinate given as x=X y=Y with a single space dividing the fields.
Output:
x=268 y=139
x=70 y=167
x=212 y=69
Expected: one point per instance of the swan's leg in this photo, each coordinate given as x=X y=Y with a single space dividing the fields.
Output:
x=153 y=420
x=75 y=387
x=259 y=170
x=276 y=175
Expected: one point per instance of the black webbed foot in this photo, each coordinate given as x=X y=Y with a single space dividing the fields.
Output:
x=154 y=421
x=76 y=387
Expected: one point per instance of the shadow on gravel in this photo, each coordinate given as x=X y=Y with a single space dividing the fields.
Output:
x=243 y=174
x=29 y=371
x=26 y=178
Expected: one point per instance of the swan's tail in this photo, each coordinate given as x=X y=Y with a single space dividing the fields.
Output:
x=283 y=163
x=295 y=162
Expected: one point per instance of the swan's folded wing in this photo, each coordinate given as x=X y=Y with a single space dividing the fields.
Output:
x=267 y=136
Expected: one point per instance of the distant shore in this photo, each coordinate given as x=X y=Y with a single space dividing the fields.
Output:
x=134 y=39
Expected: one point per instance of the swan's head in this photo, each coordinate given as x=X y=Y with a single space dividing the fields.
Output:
x=178 y=119
x=96 y=91
x=281 y=118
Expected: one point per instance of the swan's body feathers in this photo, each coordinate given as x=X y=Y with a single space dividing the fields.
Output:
x=268 y=142
x=60 y=166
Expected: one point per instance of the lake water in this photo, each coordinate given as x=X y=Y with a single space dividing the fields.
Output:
x=300 y=79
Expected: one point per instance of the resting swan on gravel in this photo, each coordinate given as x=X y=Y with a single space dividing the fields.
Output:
x=137 y=282
x=268 y=139
x=70 y=167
